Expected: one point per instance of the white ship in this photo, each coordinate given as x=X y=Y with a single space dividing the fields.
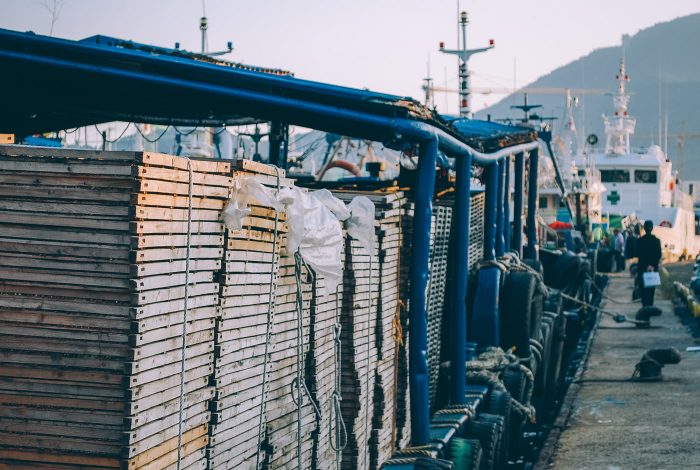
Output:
x=642 y=184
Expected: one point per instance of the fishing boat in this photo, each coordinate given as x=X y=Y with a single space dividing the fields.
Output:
x=641 y=183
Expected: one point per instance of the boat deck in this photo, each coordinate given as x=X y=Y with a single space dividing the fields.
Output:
x=619 y=424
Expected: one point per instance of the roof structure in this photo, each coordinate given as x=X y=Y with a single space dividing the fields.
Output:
x=61 y=84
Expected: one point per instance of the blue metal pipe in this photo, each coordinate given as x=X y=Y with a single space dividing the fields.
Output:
x=518 y=190
x=531 y=251
x=491 y=183
x=500 y=248
x=418 y=318
x=460 y=280
x=290 y=110
x=506 y=206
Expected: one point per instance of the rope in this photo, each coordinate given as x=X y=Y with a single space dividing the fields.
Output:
x=337 y=396
x=485 y=369
x=607 y=297
x=618 y=317
x=184 y=313
x=268 y=333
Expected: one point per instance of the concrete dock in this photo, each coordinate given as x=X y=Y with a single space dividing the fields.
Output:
x=617 y=424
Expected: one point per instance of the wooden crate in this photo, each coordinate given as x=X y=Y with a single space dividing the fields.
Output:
x=93 y=337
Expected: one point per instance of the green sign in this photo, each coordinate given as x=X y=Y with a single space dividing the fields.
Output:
x=613 y=197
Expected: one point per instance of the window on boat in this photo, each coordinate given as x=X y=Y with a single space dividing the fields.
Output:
x=543 y=202
x=615 y=176
x=645 y=176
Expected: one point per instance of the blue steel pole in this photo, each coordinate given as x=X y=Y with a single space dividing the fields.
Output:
x=418 y=326
x=460 y=280
x=500 y=249
x=506 y=206
x=491 y=183
x=518 y=189
x=531 y=251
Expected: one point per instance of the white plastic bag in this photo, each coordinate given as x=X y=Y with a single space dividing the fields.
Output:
x=360 y=225
x=248 y=190
x=651 y=279
x=315 y=231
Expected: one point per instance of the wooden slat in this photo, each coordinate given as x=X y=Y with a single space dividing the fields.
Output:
x=166 y=447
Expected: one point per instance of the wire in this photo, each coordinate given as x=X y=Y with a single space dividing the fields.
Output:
x=151 y=140
x=186 y=133
x=104 y=133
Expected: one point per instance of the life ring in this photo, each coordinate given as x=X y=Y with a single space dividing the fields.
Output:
x=666 y=223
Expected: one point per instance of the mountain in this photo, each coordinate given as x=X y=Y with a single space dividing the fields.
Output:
x=664 y=67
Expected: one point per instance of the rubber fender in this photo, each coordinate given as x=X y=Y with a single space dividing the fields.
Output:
x=487 y=433
x=498 y=457
x=548 y=259
x=515 y=381
x=542 y=370
x=499 y=404
x=485 y=324
x=465 y=453
x=555 y=359
x=566 y=269
x=535 y=264
x=515 y=312
x=536 y=311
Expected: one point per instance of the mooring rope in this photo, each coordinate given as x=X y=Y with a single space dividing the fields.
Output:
x=186 y=293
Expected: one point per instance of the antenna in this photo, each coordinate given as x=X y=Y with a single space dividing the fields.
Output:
x=464 y=54
x=428 y=87
x=203 y=27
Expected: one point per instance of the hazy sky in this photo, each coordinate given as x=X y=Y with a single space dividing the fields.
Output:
x=383 y=45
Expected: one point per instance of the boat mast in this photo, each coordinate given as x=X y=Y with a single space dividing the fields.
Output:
x=620 y=127
x=464 y=54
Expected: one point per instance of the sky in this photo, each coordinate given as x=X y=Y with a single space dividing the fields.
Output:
x=382 y=45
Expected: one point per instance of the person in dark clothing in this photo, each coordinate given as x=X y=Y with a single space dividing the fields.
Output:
x=649 y=257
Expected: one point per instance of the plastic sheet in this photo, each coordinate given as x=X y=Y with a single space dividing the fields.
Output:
x=237 y=208
x=315 y=231
x=314 y=220
x=360 y=225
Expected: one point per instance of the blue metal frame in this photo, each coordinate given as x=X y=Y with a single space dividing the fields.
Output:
x=490 y=209
x=506 y=205
x=500 y=222
x=519 y=187
x=418 y=324
x=462 y=217
x=531 y=250
x=215 y=94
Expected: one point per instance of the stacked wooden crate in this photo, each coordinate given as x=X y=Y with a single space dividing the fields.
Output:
x=288 y=427
x=359 y=351
x=94 y=307
x=322 y=367
x=437 y=284
x=389 y=209
x=246 y=346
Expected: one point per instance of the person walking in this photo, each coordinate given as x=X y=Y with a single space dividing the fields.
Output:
x=649 y=256
x=619 y=246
